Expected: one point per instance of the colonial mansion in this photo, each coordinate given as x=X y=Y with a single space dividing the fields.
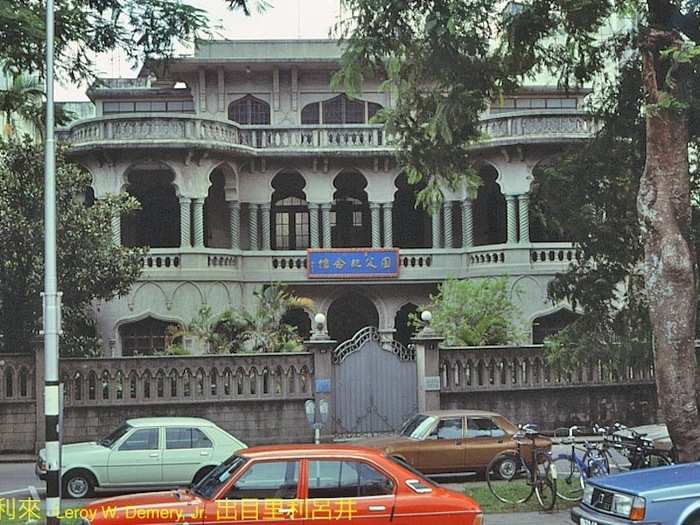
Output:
x=251 y=170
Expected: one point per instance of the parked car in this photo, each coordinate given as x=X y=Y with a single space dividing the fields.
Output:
x=294 y=484
x=449 y=442
x=144 y=452
x=662 y=496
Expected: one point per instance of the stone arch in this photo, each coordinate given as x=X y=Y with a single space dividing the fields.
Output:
x=350 y=215
x=157 y=223
x=403 y=329
x=410 y=225
x=489 y=208
x=299 y=318
x=184 y=298
x=349 y=313
x=542 y=230
x=146 y=325
x=545 y=324
x=217 y=233
x=150 y=300
x=218 y=294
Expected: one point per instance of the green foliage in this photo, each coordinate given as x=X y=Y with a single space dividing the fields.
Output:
x=475 y=312
x=90 y=267
x=241 y=330
x=142 y=29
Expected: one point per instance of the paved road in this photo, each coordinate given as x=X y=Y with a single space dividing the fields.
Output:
x=19 y=476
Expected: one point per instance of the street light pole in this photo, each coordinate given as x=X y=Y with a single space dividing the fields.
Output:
x=51 y=297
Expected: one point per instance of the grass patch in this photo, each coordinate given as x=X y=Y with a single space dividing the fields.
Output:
x=480 y=492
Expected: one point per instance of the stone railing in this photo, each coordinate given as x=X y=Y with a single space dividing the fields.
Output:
x=539 y=126
x=524 y=368
x=147 y=129
x=17 y=380
x=139 y=380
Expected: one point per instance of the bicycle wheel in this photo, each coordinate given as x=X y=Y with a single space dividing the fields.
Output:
x=569 y=478
x=655 y=460
x=546 y=492
x=509 y=479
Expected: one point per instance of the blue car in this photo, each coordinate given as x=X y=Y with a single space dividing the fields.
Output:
x=659 y=496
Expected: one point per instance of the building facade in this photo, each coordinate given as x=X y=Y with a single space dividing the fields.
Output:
x=243 y=157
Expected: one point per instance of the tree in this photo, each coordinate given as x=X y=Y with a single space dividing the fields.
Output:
x=442 y=63
x=239 y=329
x=474 y=312
x=142 y=29
x=90 y=267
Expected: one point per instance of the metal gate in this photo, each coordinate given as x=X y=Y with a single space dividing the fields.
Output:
x=375 y=385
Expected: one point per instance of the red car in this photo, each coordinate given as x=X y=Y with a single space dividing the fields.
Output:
x=297 y=484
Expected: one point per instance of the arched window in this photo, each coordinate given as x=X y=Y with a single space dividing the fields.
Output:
x=249 y=110
x=339 y=110
x=350 y=219
x=145 y=337
x=411 y=224
x=403 y=328
x=290 y=213
x=552 y=324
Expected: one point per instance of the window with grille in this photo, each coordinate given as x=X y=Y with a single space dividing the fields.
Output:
x=291 y=224
x=249 y=110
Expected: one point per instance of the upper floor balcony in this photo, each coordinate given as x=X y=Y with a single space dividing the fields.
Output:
x=184 y=130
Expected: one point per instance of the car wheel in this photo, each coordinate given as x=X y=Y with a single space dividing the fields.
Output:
x=506 y=468
x=78 y=484
x=200 y=475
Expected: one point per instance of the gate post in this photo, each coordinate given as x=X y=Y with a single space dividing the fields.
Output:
x=427 y=343
x=321 y=346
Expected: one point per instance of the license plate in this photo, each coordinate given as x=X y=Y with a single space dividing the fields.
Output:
x=584 y=521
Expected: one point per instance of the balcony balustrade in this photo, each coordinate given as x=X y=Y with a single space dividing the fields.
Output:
x=156 y=130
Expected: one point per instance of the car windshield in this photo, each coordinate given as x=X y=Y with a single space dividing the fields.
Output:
x=212 y=482
x=114 y=436
x=417 y=426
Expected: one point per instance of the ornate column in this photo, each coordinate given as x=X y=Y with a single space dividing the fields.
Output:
x=388 y=233
x=314 y=226
x=376 y=232
x=524 y=209
x=447 y=221
x=185 y=236
x=253 y=227
x=435 y=219
x=467 y=224
x=266 y=233
x=234 y=208
x=116 y=229
x=512 y=219
x=326 y=223
x=198 y=209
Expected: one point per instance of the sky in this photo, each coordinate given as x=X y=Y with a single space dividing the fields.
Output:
x=283 y=19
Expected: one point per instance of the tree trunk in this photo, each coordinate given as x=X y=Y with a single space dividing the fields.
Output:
x=663 y=205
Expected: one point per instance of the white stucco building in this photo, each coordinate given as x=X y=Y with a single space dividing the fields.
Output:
x=243 y=157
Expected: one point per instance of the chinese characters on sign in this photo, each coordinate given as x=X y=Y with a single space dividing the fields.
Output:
x=353 y=263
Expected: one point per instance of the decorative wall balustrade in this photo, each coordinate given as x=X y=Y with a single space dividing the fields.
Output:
x=525 y=368
x=139 y=380
x=555 y=123
x=17 y=380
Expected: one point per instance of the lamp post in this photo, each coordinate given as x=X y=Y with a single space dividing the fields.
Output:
x=51 y=296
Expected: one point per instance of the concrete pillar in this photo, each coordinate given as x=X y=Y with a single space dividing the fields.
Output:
x=326 y=224
x=467 y=224
x=314 y=226
x=185 y=235
x=323 y=387
x=198 y=211
x=266 y=230
x=388 y=233
x=116 y=228
x=376 y=232
x=436 y=229
x=234 y=208
x=512 y=219
x=447 y=223
x=428 y=368
x=524 y=209
x=253 y=244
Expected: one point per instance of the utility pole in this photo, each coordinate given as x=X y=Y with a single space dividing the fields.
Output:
x=51 y=297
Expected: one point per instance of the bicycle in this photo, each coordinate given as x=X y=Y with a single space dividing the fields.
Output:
x=639 y=450
x=572 y=470
x=513 y=478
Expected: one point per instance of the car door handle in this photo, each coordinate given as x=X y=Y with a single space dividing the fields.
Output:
x=376 y=508
x=203 y=453
x=153 y=454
